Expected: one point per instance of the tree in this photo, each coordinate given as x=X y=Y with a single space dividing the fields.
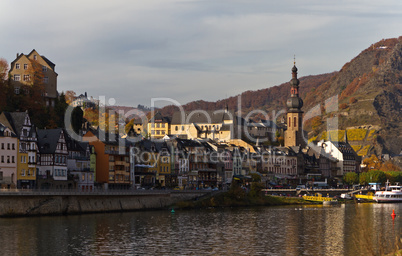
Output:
x=76 y=119
x=316 y=124
x=60 y=109
x=3 y=83
x=129 y=125
x=374 y=176
x=255 y=177
x=363 y=178
x=351 y=178
x=70 y=95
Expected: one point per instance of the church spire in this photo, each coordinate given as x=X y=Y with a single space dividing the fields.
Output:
x=294 y=103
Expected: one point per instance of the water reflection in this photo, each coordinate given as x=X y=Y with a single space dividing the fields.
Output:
x=290 y=230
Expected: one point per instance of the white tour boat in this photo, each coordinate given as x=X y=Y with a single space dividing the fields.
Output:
x=390 y=195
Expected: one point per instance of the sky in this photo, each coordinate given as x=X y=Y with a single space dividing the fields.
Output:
x=134 y=52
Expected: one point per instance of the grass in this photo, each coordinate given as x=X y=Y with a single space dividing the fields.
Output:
x=356 y=148
x=370 y=135
x=364 y=151
x=356 y=134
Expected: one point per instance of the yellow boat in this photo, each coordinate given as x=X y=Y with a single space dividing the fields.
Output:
x=369 y=196
x=318 y=198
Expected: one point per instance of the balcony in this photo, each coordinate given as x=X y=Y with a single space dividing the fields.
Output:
x=114 y=152
x=124 y=163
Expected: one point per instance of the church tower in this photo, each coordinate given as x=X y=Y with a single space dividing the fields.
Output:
x=294 y=117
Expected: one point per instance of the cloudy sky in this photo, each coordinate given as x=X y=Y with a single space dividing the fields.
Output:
x=188 y=50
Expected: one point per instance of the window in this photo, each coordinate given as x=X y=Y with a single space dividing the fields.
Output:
x=13 y=146
x=17 y=66
x=163 y=125
x=12 y=159
x=44 y=68
x=2 y=145
x=46 y=79
x=294 y=122
x=17 y=78
x=23 y=172
x=35 y=57
x=25 y=66
x=8 y=146
x=2 y=159
x=157 y=125
x=290 y=122
x=83 y=177
x=27 y=78
x=176 y=128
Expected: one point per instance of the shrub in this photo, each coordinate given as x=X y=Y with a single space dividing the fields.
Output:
x=343 y=106
x=352 y=100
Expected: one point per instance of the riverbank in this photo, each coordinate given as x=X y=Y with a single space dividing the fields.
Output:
x=238 y=197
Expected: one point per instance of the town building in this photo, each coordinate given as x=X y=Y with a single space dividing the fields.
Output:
x=34 y=69
x=112 y=159
x=52 y=160
x=342 y=151
x=219 y=125
x=8 y=157
x=21 y=125
x=158 y=126
x=79 y=164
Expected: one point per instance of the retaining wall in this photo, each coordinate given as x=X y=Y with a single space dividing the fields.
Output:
x=53 y=204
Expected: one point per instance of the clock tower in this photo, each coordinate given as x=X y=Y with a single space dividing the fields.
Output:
x=294 y=117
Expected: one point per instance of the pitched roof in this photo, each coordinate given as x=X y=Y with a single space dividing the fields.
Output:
x=205 y=117
x=47 y=140
x=14 y=120
x=3 y=128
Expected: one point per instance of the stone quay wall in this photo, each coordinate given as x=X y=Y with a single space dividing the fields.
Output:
x=15 y=204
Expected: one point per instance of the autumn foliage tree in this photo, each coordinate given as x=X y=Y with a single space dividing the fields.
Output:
x=69 y=95
x=3 y=83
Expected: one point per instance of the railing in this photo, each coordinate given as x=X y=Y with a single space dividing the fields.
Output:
x=111 y=192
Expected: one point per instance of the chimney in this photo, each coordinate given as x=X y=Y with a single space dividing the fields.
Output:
x=17 y=54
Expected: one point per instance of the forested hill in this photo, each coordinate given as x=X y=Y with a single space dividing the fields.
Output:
x=369 y=90
x=273 y=98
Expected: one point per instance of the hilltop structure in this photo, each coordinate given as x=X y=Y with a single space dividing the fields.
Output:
x=34 y=69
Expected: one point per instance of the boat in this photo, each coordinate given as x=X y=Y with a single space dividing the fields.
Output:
x=369 y=196
x=392 y=194
x=346 y=196
x=317 y=198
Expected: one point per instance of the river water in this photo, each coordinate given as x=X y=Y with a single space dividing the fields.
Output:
x=286 y=230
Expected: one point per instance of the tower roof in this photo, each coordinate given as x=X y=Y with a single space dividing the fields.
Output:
x=294 y=103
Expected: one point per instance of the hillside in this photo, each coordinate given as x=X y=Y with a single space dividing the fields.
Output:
x=369 y=90
x=273 y=98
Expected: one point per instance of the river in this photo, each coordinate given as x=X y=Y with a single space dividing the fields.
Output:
x=284 y=230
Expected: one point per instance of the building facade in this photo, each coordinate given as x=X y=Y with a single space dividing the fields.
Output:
x=8 y=157
x=24 y=72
